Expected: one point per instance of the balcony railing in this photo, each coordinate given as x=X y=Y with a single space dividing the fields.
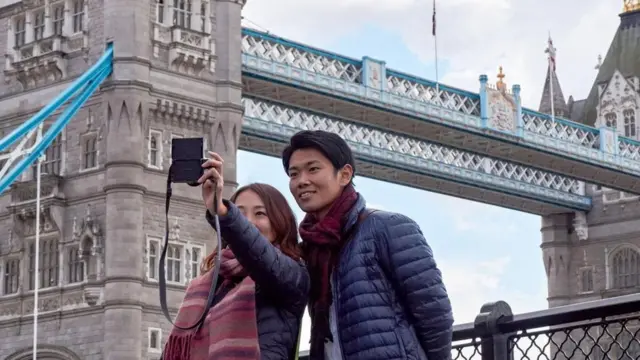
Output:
x=606 y=329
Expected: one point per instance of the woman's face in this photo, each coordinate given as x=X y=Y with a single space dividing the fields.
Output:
x=253 y=209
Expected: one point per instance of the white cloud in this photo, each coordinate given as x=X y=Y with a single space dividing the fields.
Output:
x=475 y=36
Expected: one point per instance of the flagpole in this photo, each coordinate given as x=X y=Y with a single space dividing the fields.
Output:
x=551 y=54
x=435 y=44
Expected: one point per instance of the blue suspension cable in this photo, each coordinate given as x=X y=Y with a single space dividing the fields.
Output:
x=56 y=128
x=61 y=99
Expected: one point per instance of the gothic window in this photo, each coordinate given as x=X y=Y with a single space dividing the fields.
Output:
x=626 y=268
x=52 y=163
x=182 y=13
x=194 y=256
x=152 y=260
x=20 y=31
x=75 y=266
x=611 y=120
x=155 y=338
x=58 y=19
x=11 y=276
x=586 y=280
x=155 y=149
x=174 y=263
x=78 y=16
x=160 y=11
x=38 y=25
x=629 y=122
x=47 y=263
x=203 y=16
x=182 y=262
x=90 y=151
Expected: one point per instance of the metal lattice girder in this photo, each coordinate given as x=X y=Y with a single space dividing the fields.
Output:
x=277 y=121
x=325 y=82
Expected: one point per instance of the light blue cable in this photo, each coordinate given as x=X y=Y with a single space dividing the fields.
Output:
x=55 y=129
x=60 y=100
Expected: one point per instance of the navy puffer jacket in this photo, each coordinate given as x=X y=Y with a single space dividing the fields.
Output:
x=282 y=284
x=388 y=293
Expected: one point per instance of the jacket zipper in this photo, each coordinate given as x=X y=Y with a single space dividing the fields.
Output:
x=336 y=301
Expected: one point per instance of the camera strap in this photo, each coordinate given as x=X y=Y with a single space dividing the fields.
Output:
x=162 y=280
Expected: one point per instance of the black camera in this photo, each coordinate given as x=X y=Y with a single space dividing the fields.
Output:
x=186 y=160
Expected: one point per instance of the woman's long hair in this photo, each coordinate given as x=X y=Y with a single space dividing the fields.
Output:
x=281 y=217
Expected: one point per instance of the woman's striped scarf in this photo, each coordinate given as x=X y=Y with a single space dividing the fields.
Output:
x=230 y=331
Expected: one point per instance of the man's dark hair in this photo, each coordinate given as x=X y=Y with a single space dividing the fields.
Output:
x=331 y=145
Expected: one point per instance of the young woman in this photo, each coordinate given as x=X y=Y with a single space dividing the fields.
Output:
x=264 y=285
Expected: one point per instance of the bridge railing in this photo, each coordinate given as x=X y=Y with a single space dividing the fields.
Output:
x=602 y=329
x=369 y=81
x=606 y=329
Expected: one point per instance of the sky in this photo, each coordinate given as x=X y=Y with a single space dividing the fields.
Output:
x=486 y=253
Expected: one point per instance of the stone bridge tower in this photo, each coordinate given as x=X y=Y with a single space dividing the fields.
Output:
x=177 y=73
x=597 y=255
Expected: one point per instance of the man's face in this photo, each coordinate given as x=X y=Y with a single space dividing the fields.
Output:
x=314 y=182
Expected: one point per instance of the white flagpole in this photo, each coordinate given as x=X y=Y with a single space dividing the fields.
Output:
x=36 y=270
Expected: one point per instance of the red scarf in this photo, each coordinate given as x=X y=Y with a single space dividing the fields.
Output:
x=230 y=331
x=322 y=242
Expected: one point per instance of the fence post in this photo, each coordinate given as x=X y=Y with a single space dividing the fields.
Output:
x=493 y=344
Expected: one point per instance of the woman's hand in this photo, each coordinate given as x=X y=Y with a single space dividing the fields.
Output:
x=212 y=183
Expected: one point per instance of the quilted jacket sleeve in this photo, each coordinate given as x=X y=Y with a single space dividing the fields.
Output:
x=418 y=280
x=273 y=271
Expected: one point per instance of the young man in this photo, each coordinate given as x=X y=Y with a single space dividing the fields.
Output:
x=376 y=292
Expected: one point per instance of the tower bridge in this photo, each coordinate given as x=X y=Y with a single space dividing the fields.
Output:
x=101 y=88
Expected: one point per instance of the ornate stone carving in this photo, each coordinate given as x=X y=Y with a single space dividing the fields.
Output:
x=375 y=74
x=92 y=294
x=26 y=191
x=189 y=51
x=45 y=304
x=41 y=62
x=10 y=310
x=616 y=97
x=74 y=299
x=182 y=115
x=502 y=107
x=26 y=221
x=174 y=231
x=89 y=234
x=580 y=226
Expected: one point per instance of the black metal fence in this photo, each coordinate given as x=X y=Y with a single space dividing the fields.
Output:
x=606 y=329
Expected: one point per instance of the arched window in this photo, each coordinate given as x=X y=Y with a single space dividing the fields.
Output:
x=629 y=122
x=625 y=268
x=611 y=120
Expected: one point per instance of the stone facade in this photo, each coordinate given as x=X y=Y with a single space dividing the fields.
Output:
x=597 y=255
x=177 y=73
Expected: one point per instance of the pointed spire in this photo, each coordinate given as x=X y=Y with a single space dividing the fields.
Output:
x=552 y=88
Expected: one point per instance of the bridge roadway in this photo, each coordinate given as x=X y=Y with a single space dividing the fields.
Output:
x=365 y=92
x=405 y=160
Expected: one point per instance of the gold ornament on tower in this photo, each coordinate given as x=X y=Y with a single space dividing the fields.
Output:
x=500 y=85
x=631 y=5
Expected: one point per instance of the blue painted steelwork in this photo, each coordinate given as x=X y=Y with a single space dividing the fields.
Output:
x=283 y=61
x=80 y=91
x=278 y=122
